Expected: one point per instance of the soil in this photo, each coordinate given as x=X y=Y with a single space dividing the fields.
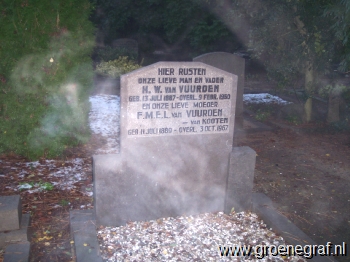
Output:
x=304 y=169
x=307 y=177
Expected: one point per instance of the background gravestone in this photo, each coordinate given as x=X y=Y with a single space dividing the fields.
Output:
x=126 y=43
x=233 y=64
x=177 y=124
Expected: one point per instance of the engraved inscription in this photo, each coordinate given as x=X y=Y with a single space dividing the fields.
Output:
x=179 y=100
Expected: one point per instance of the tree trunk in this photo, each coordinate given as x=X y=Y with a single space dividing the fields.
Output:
x=333 y=106
x=309 y=88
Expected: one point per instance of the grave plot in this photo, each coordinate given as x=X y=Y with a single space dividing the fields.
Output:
x=176 y=157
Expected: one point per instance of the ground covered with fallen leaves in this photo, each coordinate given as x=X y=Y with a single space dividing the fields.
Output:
x=307 y=176
x=49 y=188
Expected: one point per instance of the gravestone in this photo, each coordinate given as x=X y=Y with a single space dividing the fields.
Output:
x=233 y=64
x=177 y=124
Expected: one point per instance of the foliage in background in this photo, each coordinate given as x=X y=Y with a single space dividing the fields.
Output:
x=291 y=38
x=346 y=97
x=172 y=24
x=282 y=34
x=117 y=67
x=108 y=53
x=46 y=75
x=339 y=13
x=338 y=88
x=285 y=35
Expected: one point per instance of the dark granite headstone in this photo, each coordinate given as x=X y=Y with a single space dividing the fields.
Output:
x=233 y=64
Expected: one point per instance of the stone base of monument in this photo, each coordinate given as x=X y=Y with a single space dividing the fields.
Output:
x=122 y=194
x=14 y=229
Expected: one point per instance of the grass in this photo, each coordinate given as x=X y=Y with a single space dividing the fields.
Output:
x=262 y=115
x=41 y=185
x=293 y=120
x=64 y=202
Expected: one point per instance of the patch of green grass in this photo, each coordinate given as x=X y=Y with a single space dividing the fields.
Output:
x=42 y=185
x=46 y=186
x=293 y=120
x=262 y=115
x=64 y=202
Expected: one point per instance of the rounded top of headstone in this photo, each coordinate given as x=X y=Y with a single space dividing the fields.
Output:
x=218 y=55
x=190 y=69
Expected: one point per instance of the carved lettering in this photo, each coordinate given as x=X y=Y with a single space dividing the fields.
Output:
x=199 y=88
x=204 y=112
x=192 y=71
x=166 y=71
x=177 y=99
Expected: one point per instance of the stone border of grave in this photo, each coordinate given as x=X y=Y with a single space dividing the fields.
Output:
x=84 y=234
x=14 y=229
x=264 y=208
x=86 y=246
